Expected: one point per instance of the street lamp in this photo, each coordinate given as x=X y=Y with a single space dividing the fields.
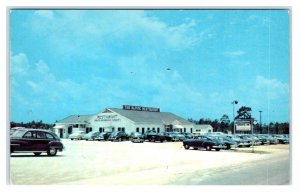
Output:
x=233 y=103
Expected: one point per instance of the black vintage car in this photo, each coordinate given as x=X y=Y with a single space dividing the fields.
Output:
x=153 y=136
x=103 y=136
x=118 y=136
x=206 y=142
x=35 y=141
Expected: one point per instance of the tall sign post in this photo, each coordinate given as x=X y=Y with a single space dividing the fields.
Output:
x=233 y=118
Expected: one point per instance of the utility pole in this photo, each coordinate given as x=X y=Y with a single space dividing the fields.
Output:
x=260 y=121
x=233 y=103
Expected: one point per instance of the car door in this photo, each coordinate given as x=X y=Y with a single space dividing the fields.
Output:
x=42 y=141
x=27 y=143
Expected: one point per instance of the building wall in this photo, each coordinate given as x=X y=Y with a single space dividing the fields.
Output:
x=111 y=121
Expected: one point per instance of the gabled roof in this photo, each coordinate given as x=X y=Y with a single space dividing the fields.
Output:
x=203 y=126
x=77 y=119
x=146 y=117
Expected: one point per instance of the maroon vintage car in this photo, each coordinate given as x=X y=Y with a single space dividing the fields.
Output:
x=35 y=141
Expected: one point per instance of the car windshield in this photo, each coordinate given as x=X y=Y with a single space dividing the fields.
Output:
x=18 y=133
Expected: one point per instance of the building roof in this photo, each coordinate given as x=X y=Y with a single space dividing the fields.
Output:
x=76 y=119
x=146 y=117
x=203 y=126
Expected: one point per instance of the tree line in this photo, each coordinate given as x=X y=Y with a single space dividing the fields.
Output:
x=244 y=113
x=32 y=124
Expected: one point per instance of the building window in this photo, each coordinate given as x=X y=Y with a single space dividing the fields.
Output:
x=137 y=129
x=184 y=129
x=112 y=129
x=191 y=130
x=70 y=130
x=148 y=129
x=158 y=130
x=143 y=130
x=123 y=129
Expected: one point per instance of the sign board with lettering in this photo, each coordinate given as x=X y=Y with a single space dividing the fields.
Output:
x=104 y=118
x=243 y=125
x=140 y=108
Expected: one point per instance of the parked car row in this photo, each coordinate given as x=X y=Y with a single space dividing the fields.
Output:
x=223 y=141
x=229 y=141
x=38 y=141
x=151 y=136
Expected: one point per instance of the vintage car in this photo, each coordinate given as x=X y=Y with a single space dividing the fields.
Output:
x=118 y=136
x=153 y=136
x=136 y=137
x=204 y=141
x=79 y=135
x=240 y=141
x=103 y=136
x=91 y=135
x=282 y=139
x=35 y=141
x=230 y=143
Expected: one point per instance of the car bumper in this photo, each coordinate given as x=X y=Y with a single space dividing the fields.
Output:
x=219 y=146
x=137 y=140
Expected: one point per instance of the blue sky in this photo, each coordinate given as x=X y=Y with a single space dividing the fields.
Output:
x=66 y=62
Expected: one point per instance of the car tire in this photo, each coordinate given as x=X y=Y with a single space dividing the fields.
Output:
x=228 y=146
x=37 y=153
x=208 y=148
x=186 y=146
x=218 y=149
x=51 y=151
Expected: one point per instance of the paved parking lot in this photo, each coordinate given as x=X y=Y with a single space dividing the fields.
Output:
x=126 y=163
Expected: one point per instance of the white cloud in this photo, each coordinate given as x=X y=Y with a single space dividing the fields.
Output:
x=45 y=13
x=95 y=30
x=34 y=86
x=272 y=87
x=19 y=64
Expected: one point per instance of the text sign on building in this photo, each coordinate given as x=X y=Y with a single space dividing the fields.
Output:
x=243 y=125
x=139 y=108
x=107 y=118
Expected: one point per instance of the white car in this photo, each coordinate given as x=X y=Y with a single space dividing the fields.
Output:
x=77 y=135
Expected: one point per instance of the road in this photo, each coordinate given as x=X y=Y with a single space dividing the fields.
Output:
x=126 y=163
x=262 y=172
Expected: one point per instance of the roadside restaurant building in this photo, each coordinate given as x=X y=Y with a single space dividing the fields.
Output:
x=129 y=119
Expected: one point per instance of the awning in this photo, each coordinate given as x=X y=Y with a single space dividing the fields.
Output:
x=59 y=127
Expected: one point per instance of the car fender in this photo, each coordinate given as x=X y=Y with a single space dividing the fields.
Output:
x=55 y=144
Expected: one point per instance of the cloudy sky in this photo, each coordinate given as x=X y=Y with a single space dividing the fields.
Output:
x=67 y=62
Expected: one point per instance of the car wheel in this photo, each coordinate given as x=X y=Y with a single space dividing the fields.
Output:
x=186 y=146
x=217 y=149
x=208 y=148
x=52 y=152
x=71 y=138
x=37 y=153
x=228 y=146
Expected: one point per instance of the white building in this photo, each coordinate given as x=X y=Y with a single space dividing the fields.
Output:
x=129 y=119
x=203 y=128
